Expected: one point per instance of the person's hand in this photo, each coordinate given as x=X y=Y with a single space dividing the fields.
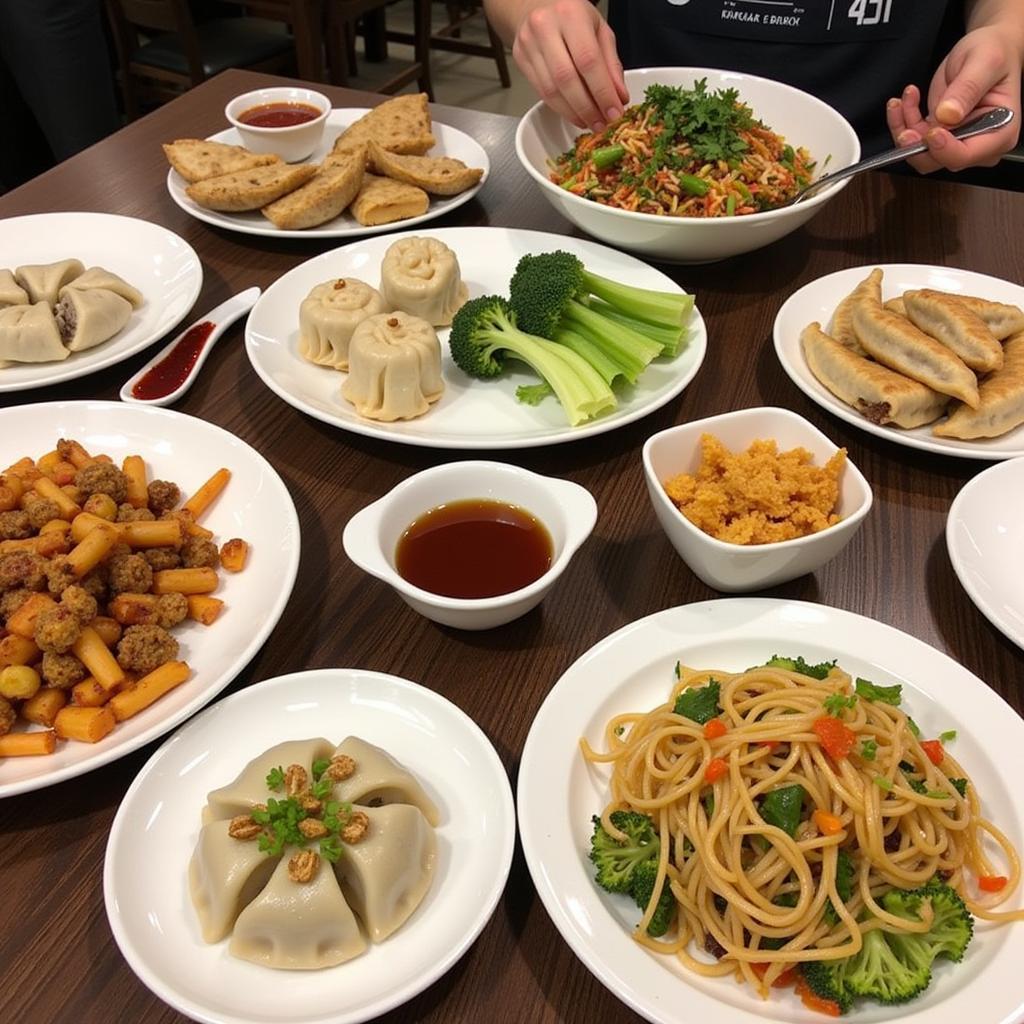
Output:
x=567 y=51
x=982 y=71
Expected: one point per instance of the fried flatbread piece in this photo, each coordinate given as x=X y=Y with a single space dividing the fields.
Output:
x=399 y=125
x=1000 y=400
x=438 y=175
x=252 y=189
x=382 y=201
x=841 y=328
x=325 y=196
x=199 y=159
x=878 y=393
x=948 y=320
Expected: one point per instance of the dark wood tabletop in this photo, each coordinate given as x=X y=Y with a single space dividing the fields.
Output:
x=58 y=960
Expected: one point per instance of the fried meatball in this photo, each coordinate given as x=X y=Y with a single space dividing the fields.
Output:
x=171 y=609
x=11 y=601
x=7 y=716
x=56 y=629
x=82 y=604
x=15 y=525
x=22 y=570
x=95 y=583
x=40 y=511
x=130 y=514
x=198 y=551
x=163 y=495
x=129 y=574
x=62 y=670
x=102 y=478
x=144 y=648
x=59 y=574
x=161 y=558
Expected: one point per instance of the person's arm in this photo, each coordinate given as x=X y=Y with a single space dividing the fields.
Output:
x=567 y=51
x=983 y=70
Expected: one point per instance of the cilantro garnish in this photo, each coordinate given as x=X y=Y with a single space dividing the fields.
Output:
x=836 y=703
x=710 y=122
x=275 y=778
x=319 y=767
x=868 y=750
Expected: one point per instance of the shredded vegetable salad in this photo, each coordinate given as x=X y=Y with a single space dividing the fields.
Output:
x=685 y=153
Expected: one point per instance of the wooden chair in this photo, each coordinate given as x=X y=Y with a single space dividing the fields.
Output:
x=162 y=51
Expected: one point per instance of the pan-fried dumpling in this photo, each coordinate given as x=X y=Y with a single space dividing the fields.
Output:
x=90 y=317
x=1001 y=400
x=1001 y=318
x=43 y=281
x=224 y=876
x=387 y=873
x=250 y=787
x=948 y=320
x=420 y=276
x=329 y=315
x=377 y=778
x=394 y=367
x=841 y=328
x=29 y=334
x=298 y=925
x=11 y=293
x=97 y=277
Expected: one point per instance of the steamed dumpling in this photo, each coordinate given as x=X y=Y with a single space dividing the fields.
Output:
x=11 y=293
x=97 y=277
x=43 y=281
x=29 y=334
x=90 y=317
x=329 y=315
x=420 y=276
x=394 y=367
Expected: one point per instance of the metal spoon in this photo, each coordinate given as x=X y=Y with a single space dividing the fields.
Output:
x=998 y=117
x=221 y=318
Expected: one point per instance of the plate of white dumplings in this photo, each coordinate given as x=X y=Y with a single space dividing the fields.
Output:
x=82 y=291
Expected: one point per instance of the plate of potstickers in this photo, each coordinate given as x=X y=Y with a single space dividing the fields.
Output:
x=929 y=357
x=374 y=169
x=144 y=558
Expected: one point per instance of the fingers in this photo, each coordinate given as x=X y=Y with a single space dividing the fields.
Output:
x=955 y=154
x=969 y=80
x=908 y=127
x=606 y=38
x=592 y=81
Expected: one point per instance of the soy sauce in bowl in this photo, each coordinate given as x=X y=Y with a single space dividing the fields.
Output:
x=279 y=115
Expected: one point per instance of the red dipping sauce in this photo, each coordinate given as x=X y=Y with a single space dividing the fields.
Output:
x=169 y=374
x=279 y=115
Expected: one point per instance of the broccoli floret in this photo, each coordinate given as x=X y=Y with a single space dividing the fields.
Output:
x=952 y=926
x=484 y=334
x=825 y=978
x=879 y=971
x=617 y=862
x=699 y=703
x=642 y=890
x=799 y=665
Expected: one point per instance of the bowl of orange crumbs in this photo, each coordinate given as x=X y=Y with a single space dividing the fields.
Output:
x=754 y=498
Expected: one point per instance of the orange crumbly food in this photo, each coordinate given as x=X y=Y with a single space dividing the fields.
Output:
x=759 y=496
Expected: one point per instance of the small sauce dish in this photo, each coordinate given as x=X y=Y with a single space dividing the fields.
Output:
x=291 y=142
x=567 y=511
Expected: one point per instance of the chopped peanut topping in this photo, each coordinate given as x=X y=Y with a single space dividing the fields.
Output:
x=243 y=827
x=356 y=827
x=295 y=780
x=310 y=804
x=313 y=828
x=303 y=866
x=340 y=768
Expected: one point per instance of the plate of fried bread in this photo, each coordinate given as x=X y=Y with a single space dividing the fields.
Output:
x=929 y=357
x=374 y=170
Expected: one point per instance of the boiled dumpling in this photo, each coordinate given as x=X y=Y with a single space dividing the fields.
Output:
x=11 y=293
x=387 y=873
x=298 y=925
x=43 y=281
x=377 y=778
x=90 y=317
x=420 y=276
x=97 y=277
x=29 y=334
x=394 y=367
x=329 y=315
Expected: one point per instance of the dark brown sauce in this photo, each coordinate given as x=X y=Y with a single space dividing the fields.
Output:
x=279 y=115
x=474 y=548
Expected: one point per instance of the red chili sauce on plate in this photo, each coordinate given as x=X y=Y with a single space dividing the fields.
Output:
x=474 y=548
x=169 y=374
x=279 y=115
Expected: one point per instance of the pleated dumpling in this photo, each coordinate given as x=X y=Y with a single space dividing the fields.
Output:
x=297 y=925
x=89 y=317
x=29 y=334
x=11 y=293
x=376 y=778
x=394 y=367
x=387 y=873
x=329 y=315
x=224 y=876
x=43 y=281
x=421 y=276
x=98 y=277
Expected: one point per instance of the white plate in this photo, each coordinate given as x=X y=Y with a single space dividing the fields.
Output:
x=157 y=825
x=471 y=414
x=450 y=142
x=985 y=539
x=163 y=266
x=633 y=670
x=255 y=506
x=818 y=300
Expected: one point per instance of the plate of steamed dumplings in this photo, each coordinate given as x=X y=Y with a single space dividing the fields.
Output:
x=403 y=852
x=929 y=357
x=82 y=291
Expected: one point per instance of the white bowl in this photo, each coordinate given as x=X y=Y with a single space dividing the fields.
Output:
x=566 y=509
x=739 y=567
x=291 y=144
x=800 y=118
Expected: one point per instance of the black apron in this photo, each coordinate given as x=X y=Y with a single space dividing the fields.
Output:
x=853 y=54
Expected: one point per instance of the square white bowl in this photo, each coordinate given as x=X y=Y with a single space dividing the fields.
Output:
x=739 y=567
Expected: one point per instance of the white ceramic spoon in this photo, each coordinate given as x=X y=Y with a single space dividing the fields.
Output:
x=221 y=317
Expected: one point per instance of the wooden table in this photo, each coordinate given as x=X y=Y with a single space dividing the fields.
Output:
x=58 y=961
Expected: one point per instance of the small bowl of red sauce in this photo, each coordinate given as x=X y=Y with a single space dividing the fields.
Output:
x=286 y=120
x=472 y=544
